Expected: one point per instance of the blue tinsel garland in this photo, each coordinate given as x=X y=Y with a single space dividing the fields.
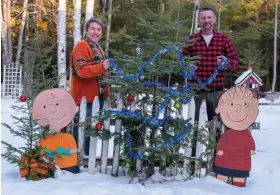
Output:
x=187 y=89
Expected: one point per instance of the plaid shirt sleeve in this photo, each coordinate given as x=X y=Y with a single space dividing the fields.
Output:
x=220 y=45
x=231 y=54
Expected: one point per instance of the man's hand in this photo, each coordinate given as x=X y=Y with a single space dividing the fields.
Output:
x=252 y=152
x=220 y=153
x=220 y=59
x=106 y=64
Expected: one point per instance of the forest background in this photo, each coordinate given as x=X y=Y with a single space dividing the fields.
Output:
x=35 y=37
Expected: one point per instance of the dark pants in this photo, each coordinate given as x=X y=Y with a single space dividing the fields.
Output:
x=212 y=99
x=88 y=115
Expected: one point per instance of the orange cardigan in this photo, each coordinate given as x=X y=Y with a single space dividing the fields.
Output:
x=84 y=81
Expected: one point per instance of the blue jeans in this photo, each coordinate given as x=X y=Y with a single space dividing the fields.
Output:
x=88 y=114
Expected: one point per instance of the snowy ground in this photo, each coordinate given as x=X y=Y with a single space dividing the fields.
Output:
x=264 y=180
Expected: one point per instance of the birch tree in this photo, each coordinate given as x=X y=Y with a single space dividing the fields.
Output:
x=61 y=42
x=89 y=9
x=275 y=49
x=9 y=28
x=4 y=35
x=77 y=21
x=109 y=27
x=104 y=5
x=23 y=22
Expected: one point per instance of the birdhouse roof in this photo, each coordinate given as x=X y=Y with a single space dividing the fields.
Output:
x=245 y=75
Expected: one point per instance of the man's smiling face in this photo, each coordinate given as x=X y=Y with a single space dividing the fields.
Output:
x=238 y=108
x=94 y=32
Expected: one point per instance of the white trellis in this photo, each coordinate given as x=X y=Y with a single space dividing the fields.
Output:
x=12 y=85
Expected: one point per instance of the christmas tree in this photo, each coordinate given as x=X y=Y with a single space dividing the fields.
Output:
x=153 y=90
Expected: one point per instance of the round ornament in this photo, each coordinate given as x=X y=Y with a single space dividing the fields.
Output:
x=22 y=98
x=99 y=126
x=127 y=164
x=130 y=98
x=177 y=105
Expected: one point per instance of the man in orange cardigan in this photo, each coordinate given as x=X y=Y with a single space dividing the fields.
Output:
x=89 y=68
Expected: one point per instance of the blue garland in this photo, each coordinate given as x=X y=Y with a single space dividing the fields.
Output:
x=187 y=89
x=140 y=74
x=177 y=138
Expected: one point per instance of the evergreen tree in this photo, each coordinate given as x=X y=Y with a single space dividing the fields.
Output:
x=29 y=157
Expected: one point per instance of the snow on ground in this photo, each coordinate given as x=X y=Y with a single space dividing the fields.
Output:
x=264 y=180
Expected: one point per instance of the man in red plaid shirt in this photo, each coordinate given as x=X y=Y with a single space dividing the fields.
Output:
x=211 y=46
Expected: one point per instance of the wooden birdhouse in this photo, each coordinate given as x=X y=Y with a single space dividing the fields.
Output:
x=250 y=80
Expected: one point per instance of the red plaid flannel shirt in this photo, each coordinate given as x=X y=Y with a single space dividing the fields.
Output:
x=220 y=45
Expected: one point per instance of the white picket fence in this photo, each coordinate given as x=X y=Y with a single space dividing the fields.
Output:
x=103 y=150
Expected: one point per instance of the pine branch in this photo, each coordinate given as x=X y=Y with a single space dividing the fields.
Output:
x=11 y=153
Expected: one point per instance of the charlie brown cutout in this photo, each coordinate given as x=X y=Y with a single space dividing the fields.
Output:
x=238 y=109
x=56 y=108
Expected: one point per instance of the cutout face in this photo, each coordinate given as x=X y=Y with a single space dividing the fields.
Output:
x=238 y=108
x=55 y=108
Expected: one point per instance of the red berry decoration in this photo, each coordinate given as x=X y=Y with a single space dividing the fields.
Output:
x=99 y=126
x=130 y=98
x=22 y=98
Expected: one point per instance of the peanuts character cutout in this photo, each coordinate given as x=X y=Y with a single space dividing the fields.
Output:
x=238 y=109
x=56 y=108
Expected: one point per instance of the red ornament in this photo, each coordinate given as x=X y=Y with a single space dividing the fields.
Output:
x=99 y=126
x=22 y=98
x=130 y=98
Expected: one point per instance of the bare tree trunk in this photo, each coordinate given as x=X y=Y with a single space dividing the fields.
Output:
x=4 y=34
x=61 y=42
x=27 y=62
x=109 y=27
x=162 y=9
x=219 y=16
x=196 y=16
x=104 y=5
x=9 y=27
x=275 y=49
x=89 y=9
x=23 y=22
x=77 y=21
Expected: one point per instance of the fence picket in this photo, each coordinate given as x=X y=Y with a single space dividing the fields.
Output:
x=188 y=149
x=199 y=146
x=93 y=140
x=105 y=143
x=81 y=137
x=116 y=154
x=210 y=157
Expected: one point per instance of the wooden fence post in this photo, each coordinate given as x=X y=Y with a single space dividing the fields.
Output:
x=105 y=143
x=139 y=162
x=93 y=140
x=210 y=157
x=81 y=137
x=188 y=148
x=199 y=146
x=118 y=127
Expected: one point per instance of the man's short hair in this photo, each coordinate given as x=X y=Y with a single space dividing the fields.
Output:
x=93 y=19
x=206 y=9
